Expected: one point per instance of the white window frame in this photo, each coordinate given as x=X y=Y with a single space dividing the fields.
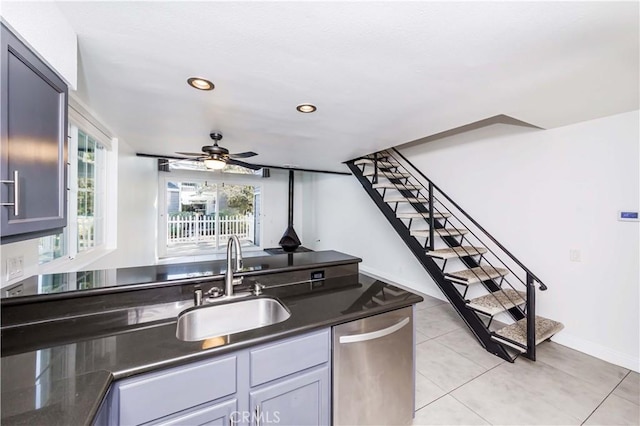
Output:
x=72 y=260
x=216 y=177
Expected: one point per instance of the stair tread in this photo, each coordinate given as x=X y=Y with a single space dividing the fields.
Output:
x=454 y=252
x=498 y=301
x=384 y=173
x=389 y=185
x=403 y=199
x=517 y=332
x=441 y=232
x=380 y=163
x=380 y=155
x=416 y=215
x=476 y=275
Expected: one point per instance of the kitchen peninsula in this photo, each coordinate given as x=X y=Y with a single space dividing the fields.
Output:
x=71 y=355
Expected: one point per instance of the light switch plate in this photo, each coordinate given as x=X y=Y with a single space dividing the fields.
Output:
x=15 y=290
x=15 y=267
x=575 y=255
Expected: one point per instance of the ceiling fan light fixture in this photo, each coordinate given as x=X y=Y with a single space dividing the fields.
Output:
x=306 y=108
x=214 y=164
x=200 y=83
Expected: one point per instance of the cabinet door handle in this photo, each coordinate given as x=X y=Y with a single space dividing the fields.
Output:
x=16 y=193
x=374 y=334
x=258 y=414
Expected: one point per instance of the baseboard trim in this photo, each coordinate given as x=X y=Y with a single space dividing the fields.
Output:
x=563 y=338
x=597 y=351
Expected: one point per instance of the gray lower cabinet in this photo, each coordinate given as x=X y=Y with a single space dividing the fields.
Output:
x=217 y=414
x=33 y=140
x=301 y=400
x=287 y=382
x=162 y=394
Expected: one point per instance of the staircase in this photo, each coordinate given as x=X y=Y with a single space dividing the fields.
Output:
x=481 y=279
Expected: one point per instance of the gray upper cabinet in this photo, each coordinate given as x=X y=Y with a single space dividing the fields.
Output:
x=33 y=137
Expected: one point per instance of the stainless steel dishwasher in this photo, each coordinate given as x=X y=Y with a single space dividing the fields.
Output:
x=373 y=370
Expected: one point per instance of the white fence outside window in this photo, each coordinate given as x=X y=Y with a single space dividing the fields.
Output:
x=200 y=228
x=86 y=232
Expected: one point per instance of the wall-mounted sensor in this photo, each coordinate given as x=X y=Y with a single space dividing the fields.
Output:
x=628 y=216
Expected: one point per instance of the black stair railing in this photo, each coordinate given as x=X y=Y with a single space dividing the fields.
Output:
x=469 y=317
x=496 y=242
x=424 y=187
x=516 y=312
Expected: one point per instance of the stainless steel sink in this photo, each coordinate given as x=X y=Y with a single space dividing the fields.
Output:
x=214 y=320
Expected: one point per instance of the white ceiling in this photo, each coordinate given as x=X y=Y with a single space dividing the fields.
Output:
x=381 y=73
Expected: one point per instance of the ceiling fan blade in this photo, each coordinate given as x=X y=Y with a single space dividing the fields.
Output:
x=191 y=154
x=244 y=154
x=162 y=156
x=243 y=164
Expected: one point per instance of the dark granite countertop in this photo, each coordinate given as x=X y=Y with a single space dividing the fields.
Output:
x=65 y=384
x=65 y=285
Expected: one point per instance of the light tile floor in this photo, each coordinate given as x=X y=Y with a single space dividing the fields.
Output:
x=459 y=383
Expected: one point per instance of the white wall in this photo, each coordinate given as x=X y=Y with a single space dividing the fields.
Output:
x=137 y=198
x=348 y=221
x=43 y=27
x=541 y=193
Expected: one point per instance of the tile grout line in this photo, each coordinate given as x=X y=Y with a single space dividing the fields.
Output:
x=606 y=397
x=458 y=387
x=433 y=338
x=463 y=355
x=431 y=402
x=474 y=361
x=577 y=376
x=470 y=409
x=559 y=370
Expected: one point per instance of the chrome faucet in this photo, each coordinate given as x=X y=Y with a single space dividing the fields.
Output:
x=229 y=281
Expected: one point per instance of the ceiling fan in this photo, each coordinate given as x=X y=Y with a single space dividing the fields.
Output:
x=216 y=157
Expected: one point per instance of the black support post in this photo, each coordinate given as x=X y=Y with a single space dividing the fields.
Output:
x=375 y=168
x=531 y=318
x=431 y=219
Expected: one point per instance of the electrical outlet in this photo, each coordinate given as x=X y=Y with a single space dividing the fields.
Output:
x=15 y=290
x=575 y=255
x=15 y=267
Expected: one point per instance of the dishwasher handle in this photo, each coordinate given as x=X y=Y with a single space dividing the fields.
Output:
x=374 y=334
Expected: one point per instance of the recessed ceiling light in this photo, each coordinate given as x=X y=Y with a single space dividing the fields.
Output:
x=200 y=83
x=306 y=108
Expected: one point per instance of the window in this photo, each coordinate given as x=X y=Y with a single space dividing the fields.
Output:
x=90 y=194
x=50 y=248
x=86 y=197
x=200 y=215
